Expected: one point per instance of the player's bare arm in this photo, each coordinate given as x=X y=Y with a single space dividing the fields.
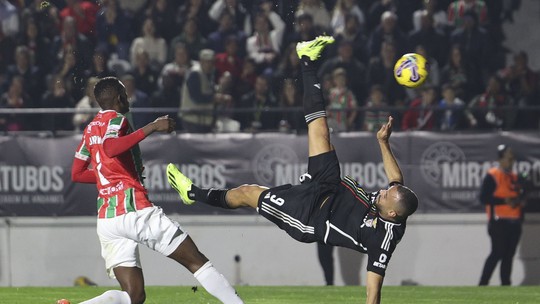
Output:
x=161 y=124
x=391 y=167
x=374 y=283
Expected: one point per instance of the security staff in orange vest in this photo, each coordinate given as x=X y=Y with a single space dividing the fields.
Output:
x=503 y=197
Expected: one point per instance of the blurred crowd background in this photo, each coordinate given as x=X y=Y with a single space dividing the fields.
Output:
x=231 y=65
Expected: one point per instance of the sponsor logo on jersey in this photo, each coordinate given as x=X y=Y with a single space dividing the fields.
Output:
x=380 y=265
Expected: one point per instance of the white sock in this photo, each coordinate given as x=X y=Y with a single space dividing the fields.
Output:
x=216 y=284
x=110 y=297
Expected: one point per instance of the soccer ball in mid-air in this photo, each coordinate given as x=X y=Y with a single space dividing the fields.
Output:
x=411 y=70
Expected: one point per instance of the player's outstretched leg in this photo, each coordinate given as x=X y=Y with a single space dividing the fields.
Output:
x=243 y=196
x=314 y=108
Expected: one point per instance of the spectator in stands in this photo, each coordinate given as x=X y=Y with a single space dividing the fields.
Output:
x=37 y=43
x=84 y=13
x=32 y=76
x=224 y=115
x=317 y=10
x=47 y=18
x=7 y=51
x=522 y=84
x=292 y=118
x=375 y=11
x=247 y=78
x=489 y=110
x=113 y=29
x=352 y=32
x=15 y=98
x=163 y=12
x=151 y=43
x=146 y=75
x=191 y=37
x=132 y=7
x=475 y=49
x=260 y=100
x=421 y=113
x=99 y=66
x=451 y=116
x=375 y=114
x=168 y=95
x=138 y=99
x=456 y=74
x=342 y=104
x=179 y=67
x=9 y=19
x=387 y=31
x=343 y=8
x=234 y=8
x=196 y=10
x=229 y=61
x=227 y=28
x=403 y=9
x=458 y=9
x=199 y=95
x=74 y=77
x=264 y=45
x=304 y=30
x=433 y=40
x=381 y=71
x=289 y=66
x=356 y=70
x=58 y=96
x=70 y=41
x=431 y=7
x=80 y=120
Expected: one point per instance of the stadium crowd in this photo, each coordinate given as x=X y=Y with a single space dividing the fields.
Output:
x=231 y=65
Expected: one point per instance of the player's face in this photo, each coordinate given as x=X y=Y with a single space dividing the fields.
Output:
x=387 y=199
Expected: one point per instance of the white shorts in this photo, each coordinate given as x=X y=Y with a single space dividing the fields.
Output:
x=120 y=236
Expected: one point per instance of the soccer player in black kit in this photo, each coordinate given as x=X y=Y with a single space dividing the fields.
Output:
x=325 y=207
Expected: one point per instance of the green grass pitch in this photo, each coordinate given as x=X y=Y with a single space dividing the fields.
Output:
x=285 y=295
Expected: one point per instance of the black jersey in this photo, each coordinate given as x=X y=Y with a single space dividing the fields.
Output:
x=350 y=219
x=334 y=210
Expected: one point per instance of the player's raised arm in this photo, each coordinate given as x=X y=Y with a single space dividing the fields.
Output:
x=391 y=167
x=374 y=283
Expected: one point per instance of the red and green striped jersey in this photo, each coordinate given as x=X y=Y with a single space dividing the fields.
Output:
x=119 y=179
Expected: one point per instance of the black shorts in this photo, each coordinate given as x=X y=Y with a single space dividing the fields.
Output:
x=294 y=208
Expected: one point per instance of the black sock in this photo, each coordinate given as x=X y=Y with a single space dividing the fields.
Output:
x=213 y=197
x=313 y=99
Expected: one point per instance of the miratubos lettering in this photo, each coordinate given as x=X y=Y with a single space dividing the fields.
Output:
x=22 y=179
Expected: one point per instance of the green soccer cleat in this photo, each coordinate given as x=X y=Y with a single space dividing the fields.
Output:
x=180 y=183
x=313 y=48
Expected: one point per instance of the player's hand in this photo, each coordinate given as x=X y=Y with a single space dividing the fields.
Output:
x=386 y=129
x=164 y=124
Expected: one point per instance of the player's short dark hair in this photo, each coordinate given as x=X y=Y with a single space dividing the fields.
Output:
x=408 y=201
x=105 y=90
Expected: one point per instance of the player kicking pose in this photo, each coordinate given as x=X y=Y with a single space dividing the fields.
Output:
x=126 y=218
x=325 y=207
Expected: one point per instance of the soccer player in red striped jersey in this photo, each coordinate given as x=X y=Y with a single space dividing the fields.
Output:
x=326 y=207
x=109 y=156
